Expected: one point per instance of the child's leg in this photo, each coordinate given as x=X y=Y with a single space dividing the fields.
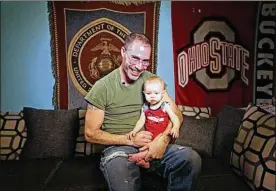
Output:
x=143 y=163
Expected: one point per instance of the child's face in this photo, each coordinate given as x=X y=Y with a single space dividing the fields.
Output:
x=153 y=92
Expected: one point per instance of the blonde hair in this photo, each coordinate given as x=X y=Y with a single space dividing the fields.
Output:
x=153 y=79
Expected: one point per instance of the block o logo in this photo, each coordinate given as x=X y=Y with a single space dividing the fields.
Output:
x=201 y=75
x=212 y=57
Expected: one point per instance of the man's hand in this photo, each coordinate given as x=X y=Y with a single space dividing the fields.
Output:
x=156 y=148
x=141 y=138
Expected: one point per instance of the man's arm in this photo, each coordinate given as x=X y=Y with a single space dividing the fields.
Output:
x=167 y=98
x=167 y=131
x=174 y=132
x=93 y=121
x=173 y=117
x=174 y=107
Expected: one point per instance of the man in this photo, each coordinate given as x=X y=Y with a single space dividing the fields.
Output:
x=114 y=105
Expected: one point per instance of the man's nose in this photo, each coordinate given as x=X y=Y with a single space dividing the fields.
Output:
x=139 y=65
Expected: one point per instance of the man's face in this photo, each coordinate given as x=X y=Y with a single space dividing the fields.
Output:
x=135 y=60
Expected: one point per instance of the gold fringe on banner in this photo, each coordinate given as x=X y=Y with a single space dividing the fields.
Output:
x=127 y=3
x=156 y=28
x=50 y=6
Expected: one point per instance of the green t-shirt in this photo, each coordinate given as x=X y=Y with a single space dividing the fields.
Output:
x=122 y=104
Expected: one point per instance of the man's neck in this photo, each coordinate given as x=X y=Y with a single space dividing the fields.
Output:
x=124 y=79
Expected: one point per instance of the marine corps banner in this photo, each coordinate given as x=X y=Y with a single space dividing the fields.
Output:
x=216 y=59
x=86 y=38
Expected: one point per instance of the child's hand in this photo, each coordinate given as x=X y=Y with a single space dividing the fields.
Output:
x=174 y=132
x=130 y=135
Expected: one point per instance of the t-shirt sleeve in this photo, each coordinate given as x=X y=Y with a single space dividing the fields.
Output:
x=145 y=107
x=165 y=105
x=97 y=96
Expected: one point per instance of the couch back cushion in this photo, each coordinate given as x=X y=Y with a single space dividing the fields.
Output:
x=50 y=133
x=253 y=156
x=84 y=148
x=198 y=134
x=228 y=123
x=197 y=112
x=13 y=135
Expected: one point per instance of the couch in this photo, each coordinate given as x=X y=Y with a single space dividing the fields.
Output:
x=46 y=150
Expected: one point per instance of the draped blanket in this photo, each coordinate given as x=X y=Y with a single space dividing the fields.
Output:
x=224 y=53
x=86 y=39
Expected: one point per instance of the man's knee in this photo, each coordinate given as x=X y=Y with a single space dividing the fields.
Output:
x=120 y=173
x=116 y=160
x=190 y=156
x=195 y=160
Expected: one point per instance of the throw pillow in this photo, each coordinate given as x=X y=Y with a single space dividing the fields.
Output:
x=84 y=148
x=50 y=133
x=198 y=134
x=253 y=155
x=197 y=112
x=228 y=123
x=12 y=135
x=269 y=108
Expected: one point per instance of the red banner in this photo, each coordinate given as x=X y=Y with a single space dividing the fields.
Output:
x=213 y=44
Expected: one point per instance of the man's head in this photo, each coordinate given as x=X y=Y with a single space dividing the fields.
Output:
x=154 y=89
x=135 y=56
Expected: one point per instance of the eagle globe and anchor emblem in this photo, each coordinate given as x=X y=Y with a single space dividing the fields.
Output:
x=105 y=62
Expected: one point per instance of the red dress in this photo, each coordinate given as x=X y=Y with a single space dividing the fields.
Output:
x=156 y=120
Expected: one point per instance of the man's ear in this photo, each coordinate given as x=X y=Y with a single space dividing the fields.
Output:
x=123 y=51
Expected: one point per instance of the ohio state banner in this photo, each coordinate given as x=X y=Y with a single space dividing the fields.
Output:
x=265 y=54
x=223 y=53
x=86 y=39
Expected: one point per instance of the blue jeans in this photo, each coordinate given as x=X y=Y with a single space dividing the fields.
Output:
x=180 y=165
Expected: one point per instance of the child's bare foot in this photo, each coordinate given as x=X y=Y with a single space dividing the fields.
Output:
x=137 y=156
x=143 y=163
x=139 y=159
